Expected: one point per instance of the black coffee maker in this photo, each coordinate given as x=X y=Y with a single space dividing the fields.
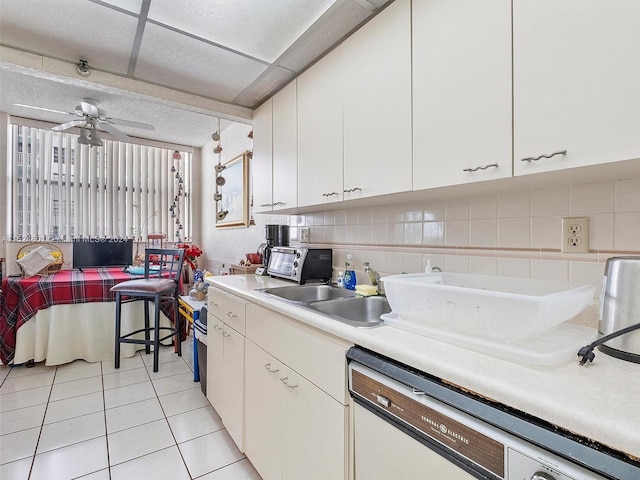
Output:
x=276 y=236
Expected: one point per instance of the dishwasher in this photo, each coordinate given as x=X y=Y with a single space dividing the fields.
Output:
x=410 y=425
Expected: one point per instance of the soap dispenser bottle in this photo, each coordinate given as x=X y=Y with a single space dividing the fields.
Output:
x=349 y=273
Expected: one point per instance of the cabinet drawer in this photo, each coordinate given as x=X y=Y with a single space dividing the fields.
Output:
x=228 y=308
x=234 y=313
x=315 y=355
x=215 y=300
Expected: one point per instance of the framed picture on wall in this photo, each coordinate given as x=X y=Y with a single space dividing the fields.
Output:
x=232 y=209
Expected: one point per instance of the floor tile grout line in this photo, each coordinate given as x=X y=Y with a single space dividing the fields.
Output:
x=104 y=412
x=46 y=408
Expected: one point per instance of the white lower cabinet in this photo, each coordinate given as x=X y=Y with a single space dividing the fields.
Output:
x=225 y=361
x=293 y=428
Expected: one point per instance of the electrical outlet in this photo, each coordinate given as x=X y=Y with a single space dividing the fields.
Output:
x=305 y=235
x=575 y=235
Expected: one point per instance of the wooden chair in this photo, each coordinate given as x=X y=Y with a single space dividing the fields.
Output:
x=161 y=283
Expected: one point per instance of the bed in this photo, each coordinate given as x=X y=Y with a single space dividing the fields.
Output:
x=66 y=316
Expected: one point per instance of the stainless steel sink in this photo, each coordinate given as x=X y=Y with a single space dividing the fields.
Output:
x=332 y=302
x=357 y=311
x=308 y=293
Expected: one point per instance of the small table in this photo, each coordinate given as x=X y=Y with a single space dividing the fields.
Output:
x=190 y=310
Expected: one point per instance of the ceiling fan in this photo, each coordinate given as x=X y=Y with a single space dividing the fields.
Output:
x=90 y=119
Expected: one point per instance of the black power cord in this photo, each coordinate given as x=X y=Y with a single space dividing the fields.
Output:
x=586 y=352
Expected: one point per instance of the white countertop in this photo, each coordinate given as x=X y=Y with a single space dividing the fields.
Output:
x=600 y=401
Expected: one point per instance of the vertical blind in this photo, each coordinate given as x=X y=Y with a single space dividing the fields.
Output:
x=61 y=190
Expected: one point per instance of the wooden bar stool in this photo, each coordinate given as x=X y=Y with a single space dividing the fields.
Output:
x=161 y=283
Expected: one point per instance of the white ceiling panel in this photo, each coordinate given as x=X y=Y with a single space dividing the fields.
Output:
x=69 y=30
x=133 y=6
x=184 y=63
x=263 y=29
x=234 y=53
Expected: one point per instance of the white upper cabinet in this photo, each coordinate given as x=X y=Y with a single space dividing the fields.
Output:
x=285 y=148
x=462 y=116
x=576 y=83
x=262 y=163
x=320 y=147
x=377 y=105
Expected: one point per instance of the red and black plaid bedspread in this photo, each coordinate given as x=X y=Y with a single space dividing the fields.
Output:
x=22 y=297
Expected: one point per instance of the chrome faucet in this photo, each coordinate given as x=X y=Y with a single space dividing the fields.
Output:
x=374 y=277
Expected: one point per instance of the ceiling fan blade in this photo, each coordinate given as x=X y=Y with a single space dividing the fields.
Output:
x=114 y=132
x=129 y=123
x=89 y=108
x=44 y=109
x=64 y=126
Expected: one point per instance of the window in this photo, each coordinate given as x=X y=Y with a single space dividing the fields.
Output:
x=61 y=190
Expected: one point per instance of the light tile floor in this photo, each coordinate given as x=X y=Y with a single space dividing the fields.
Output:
x=91 y=421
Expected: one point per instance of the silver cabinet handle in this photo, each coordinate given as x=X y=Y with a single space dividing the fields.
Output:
x=418 y=392
x=330 y=194
x=276 y=204
x=225 y=334
x=495 y=165
x=535 y=159
x=266 y=205
x=284 y=380
x=231 y=314
x=217 y=327
x=354 y=189
x=213 y=304
x=269 y=369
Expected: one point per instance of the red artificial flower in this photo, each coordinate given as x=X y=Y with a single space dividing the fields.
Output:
x=191 y=252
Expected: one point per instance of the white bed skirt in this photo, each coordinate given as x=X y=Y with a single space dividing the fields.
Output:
x=63 y=333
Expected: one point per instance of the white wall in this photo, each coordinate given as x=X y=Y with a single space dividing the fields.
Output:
x=227 y=245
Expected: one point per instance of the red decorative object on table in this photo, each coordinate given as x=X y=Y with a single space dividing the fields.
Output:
x=191 y=253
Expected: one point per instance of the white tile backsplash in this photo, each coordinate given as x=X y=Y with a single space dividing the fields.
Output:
x=483 y=233
x=514 y=205
x=627 y=195
x=627 y=231
x=592 y=198
x=513 y=234
x=550 y=202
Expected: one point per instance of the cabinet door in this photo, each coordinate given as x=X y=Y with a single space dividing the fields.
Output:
x=285 y=148
x=314 y=436
x=320 y=148
x=576 y=82
x=263 y=411
x=377 y=105
x=461 y=91
x=232 y=394
x=214 y=360
x=261 y=164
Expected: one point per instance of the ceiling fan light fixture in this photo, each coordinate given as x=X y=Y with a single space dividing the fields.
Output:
x=83 y=68
x=95 y=140
x=83 y=139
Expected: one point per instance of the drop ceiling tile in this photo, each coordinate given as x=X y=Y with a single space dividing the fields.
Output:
x=133 y=6
x=184 y=63
x=70 y=31
x=263 y=29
